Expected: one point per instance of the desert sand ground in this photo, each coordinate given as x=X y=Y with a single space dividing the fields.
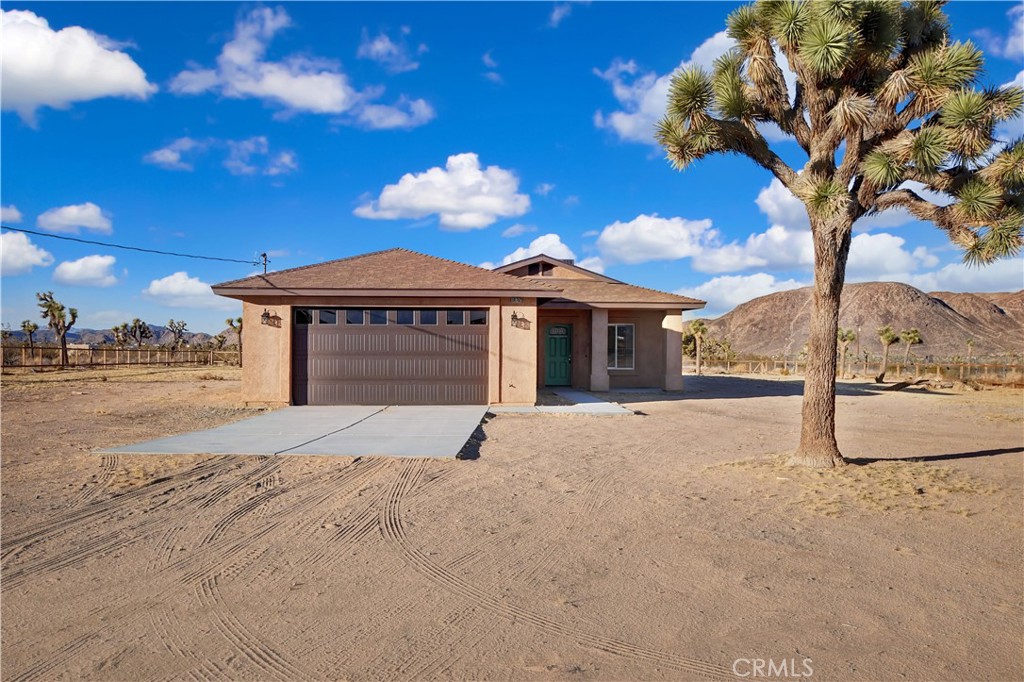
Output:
x=666 y=545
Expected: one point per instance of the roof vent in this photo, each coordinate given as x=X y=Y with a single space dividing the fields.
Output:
x=568 y=261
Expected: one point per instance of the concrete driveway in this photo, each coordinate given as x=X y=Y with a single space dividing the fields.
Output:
x=347 y=430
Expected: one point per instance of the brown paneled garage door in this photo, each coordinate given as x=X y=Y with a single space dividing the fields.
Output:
x=354 y=356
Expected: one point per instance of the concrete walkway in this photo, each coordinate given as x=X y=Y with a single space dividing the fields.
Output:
x=583 y=403
x=346 y=430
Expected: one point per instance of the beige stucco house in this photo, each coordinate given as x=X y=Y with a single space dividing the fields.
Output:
x=400 y=327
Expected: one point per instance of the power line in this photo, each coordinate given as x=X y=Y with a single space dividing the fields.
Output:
x=133 y=248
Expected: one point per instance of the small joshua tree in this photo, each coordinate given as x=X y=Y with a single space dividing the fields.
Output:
x=59 y=319
x=699 y=331
x=910 y=337
x=887 y=337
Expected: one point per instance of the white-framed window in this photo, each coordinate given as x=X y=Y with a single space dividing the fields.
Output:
x=621 y=346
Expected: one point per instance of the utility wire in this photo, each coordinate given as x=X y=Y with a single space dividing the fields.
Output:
x=132 y=248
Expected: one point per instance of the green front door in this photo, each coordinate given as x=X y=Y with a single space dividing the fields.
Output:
x=558 y=355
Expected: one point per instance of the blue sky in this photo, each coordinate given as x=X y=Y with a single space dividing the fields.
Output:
x=476 y=132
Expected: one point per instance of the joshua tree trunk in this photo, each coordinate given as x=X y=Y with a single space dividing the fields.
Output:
x=818 y=445
x=699 y=349
x=63 y=351
x=885 y=363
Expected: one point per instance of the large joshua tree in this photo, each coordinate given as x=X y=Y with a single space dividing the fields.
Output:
x=884 y=106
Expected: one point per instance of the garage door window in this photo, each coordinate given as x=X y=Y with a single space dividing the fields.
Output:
x=478 y=317
x=303 y=316
x=353 y=316
x=404 y=316
x=378 y=317
x=456 y=317
x=328 y=316
x=428 y=317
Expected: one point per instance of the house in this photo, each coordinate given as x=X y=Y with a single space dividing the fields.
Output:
x=400 y=327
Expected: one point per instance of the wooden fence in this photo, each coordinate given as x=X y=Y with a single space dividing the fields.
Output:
x=985 y=372
x=49 y=357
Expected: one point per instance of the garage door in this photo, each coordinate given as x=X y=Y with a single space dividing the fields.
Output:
x=355 y=356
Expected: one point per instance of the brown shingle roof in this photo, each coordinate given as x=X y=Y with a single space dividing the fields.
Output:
x=598 y=292
x=391 y=270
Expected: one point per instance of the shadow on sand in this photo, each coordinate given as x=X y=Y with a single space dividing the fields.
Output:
x=721 y=386
x=936 y=458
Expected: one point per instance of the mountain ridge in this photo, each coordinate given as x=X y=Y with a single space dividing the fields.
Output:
x=777 y=324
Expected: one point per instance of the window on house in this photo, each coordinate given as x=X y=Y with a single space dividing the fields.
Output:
x=621 y=345
x=428 y=317
x=378 y=317
x=303 y=316
x=455 y=317
x=478 y=317
x=353 y=316
x=328 y=316
x=404 y=317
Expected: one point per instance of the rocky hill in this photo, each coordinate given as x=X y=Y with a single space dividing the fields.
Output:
x=777 y=324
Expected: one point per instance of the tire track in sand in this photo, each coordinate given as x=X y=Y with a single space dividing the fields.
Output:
x=393 y=531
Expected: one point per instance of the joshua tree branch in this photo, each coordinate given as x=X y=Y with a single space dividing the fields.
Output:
x=742 y=139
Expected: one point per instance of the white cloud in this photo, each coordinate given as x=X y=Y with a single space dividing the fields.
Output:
x=547 y=244
x=170 y=157
x=544 y=188
x=881 y=256
x=594 y=263
x=494 y=77
x=517 y=230
x=463 y=195
x=651 y=237
x=489 y=60
x=643 y=96
x=40 y=67
x=178 y=290
x=782 y=207
x=405 y=113
x=1003 y=275
x=10 y=214
x=283 y=163
x=69 y=219
x=18 y=255
x=396 y=57
x=725 y=293
x=245 y=158
x=1010 y=47
x=90 y=271
x=559 y=13
x=251 y=156
x=297 y=83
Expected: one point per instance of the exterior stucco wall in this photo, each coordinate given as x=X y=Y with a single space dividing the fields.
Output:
x=267 y=366
x=672 y=324
x=649 y=349
x=518 y=351
x=266 y=355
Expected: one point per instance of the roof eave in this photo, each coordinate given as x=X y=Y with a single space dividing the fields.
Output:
x=243 y=293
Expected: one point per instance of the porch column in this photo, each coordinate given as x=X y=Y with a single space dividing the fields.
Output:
x=673 y=329
x=598 y=349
